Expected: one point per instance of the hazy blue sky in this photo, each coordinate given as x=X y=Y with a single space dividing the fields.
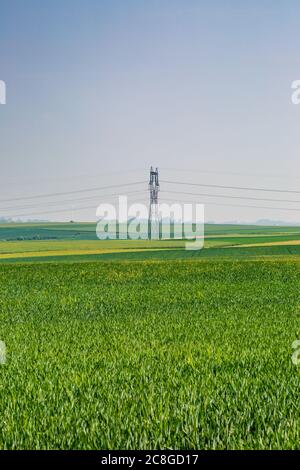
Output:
x=96 y=88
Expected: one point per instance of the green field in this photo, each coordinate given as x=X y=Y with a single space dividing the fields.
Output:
x=147 y=346
x=68 y=242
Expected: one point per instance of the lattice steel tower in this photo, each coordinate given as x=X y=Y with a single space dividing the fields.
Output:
x=153 y=222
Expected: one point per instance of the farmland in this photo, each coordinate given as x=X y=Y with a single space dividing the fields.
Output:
x=146 y=345
x=78 y=242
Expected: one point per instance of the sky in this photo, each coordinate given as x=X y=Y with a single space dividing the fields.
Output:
x=99 y=90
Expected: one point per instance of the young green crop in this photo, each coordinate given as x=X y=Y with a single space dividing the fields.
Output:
x=147 y=355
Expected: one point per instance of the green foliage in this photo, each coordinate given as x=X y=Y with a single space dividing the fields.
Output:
x=151 y=354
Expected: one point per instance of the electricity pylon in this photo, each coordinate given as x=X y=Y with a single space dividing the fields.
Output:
x=153 y=222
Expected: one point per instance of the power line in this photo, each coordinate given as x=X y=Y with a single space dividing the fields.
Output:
x=164 y=199
x=235 y=205
x=61 y=210
x=37 y=196
x=233 y=197
x=80 y=191
x=69 y=177
x=54 y=203
x=242 y=188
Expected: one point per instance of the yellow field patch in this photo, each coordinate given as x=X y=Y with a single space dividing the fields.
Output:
x=285 y=243
x=35 y=254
